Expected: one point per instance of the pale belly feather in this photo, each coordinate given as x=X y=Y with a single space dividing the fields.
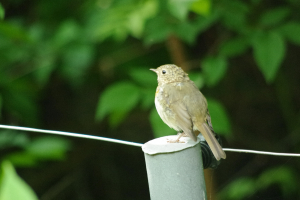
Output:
x=165 y=113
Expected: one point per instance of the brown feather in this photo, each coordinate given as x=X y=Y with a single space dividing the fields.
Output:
x=183 y=119
x=211 y=141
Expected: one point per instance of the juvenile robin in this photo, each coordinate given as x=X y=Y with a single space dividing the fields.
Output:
x=183 y=107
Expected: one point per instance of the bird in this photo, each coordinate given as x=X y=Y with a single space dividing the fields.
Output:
x=182 y=106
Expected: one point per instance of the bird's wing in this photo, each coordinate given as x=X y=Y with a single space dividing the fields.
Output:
x=201 y=119
x=208 y=121
x=183 y=119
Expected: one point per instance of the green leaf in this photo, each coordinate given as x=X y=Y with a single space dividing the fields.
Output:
x=274 y=16
x=180 y=8
x=161 y=27
x=107 y=23
x=238 y=189
x=22 y=159
x=48 y=147
x=158 y=126
x=14 y=32
x=183 y=28
x=11 y=138
x=22 y=100
x=219 y=117
x=136 y=24
x=66 y=33
x=2 y=12
x=148 y=80
x=122 y=19
x=234 y=47
x=157 y=30
x=203 y=23
x=138 y=18
x=1 y=104
x=76 y=60
x=269 y=52
x=117 y=100
x=148 y=96
x=202 y=7
x=214 y=69
x=45 y=66
x=143 y=76
x=197 y=78
x=283 y=176
x=12 y=187
x=291 y=31
x=234 y=15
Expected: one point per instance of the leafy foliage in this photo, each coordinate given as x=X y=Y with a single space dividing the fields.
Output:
x=2 y=12
x=71 y=58
x=118 y=100
x=234 y=46
x=220 y=119
x=12 y=186
x=246 y=186
x=269 y=50
x=290 y=30
x=239 y=189
x=214 y=69
x=201 y=7
x=33 y=151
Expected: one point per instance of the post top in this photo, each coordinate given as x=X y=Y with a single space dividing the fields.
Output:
x=161 y=145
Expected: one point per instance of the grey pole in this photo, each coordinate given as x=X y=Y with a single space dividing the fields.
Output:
x=175 y=170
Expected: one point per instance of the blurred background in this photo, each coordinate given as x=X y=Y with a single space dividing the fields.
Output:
x=83 y=66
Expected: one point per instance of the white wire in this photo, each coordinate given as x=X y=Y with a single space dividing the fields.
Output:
x=71 y=134
x=130 y=143
x=262 y=152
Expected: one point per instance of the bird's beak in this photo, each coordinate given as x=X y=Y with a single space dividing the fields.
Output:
x=155 y=70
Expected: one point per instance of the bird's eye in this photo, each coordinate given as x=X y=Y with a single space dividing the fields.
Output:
x=164 y=71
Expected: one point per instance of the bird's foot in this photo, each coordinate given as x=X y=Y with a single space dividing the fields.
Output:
x=178 y=139
x=183 y=134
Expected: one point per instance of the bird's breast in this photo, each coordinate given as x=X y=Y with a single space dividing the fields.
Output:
x=163 y=108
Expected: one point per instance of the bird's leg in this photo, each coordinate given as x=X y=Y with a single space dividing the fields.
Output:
x=178 y=139
x=183 y=134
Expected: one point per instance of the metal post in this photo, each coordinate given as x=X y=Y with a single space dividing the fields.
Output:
x=174 y=170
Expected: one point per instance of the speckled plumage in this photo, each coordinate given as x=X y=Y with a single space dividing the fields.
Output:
x=183 y=107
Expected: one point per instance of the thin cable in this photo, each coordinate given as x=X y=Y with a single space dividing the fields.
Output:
x=71 y=135
x=131 y=143
x=262 y=152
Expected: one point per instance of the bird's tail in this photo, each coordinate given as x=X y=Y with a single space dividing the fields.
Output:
x=211 y=141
